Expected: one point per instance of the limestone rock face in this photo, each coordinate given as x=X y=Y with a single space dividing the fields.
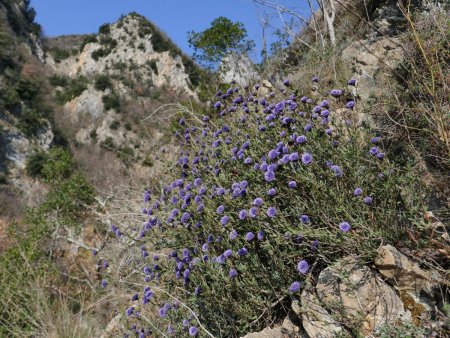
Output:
x=355 y=294
x=316 y=321
x=238 y=68
x=372 y=61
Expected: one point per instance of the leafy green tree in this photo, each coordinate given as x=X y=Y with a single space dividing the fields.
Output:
x=220 y=39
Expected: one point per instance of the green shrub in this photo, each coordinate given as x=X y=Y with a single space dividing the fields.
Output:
x=111 y=101
x=148 y=161
x=3 y=178
x=58 y=80
x=114 y=125
x=153 y=65
x=99 y=53
x=102 y=82
x=35 y=164
x=108 y=143
x=60 y=54
x=335 y=193
x=74 y=89
x=105 y=29
x=93 y=135
x=30 y=122
x=89 y=39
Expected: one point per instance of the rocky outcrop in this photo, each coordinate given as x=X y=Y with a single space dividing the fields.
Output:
x=316 y=321
x=127 y=47
x=358 y=296
x=238 y=68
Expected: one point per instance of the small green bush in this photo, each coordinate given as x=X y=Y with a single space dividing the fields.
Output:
x=89 y=39
x=102 y=82
x=58 y=80
x=35 y=164
x=93 y=135
x=72 y=90
x=105 y=29
x=60 y=54
x=30 y=122
x=114 y=125
x=153 y=65
x=111 y=101
x=148 y=161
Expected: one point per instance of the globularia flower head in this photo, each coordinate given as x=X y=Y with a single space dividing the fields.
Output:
x=303 y=267
x=104 y=283
x=129 y=311
x=292 y=184
x=260 y=235
x=257 y=201
x=373 y=150
x=351 y=82
x=228 y=253
x=357 y=192
x=249 y=236
x=286 y=82
x=307 y=158
x=315 y=79
x=293 y=157
x=271 y=212
x=295 y=287
x=242 y=214
x=350 y=104
x=193 y=331
x=220 y=209
x=336 y=170
x=336 y=92
x=242 y=252
x=272 y=192
x=304 y=219
x=269 y=176
x=368 y=200
x=233 y=273
x=224 y=221
x=233 y=235
x=301 y=139
x=344 y=227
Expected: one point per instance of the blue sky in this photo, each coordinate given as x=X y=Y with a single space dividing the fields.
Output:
x=175 y=17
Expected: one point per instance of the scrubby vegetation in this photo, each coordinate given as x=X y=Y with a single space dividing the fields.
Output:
x=28 y=270
x=261 y=200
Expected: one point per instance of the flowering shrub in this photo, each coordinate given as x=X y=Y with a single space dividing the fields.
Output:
x=260 y=200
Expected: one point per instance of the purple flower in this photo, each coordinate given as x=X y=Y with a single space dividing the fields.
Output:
x=242 y=252
x=273 y=154
x=304 y=219
x=205 y=247
x=224 y=221
x=303 y=267
x=315 y=79
x=295 y=287
x=260 y=235
x=228 y=253
x=357 y=192
x=253 y=212
x=336 y=92
x=272 y=192
x=220 y=209
x=104 y=283
x=344 y=227
x=249 y=236
x=336 y=170
x=368 y=200
x=233 y=235
x=350 y=104
x=271 y=212
x=380 y=156
x=193 y=331
x=129 y=311
x=242 y=214
x=301 y=139
x=248 y=160
x=375 y=139
x=185 y=217
x=146 y=196
x=307 y=158
x=351 y=82
x=233 y=273
x=269 y=176
x=257 y=201
x=373 y=151
x=217 y=105
x=286 y=82
x=293 y=157
x=292 y=184
x=308 y=127
x=186 y=273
